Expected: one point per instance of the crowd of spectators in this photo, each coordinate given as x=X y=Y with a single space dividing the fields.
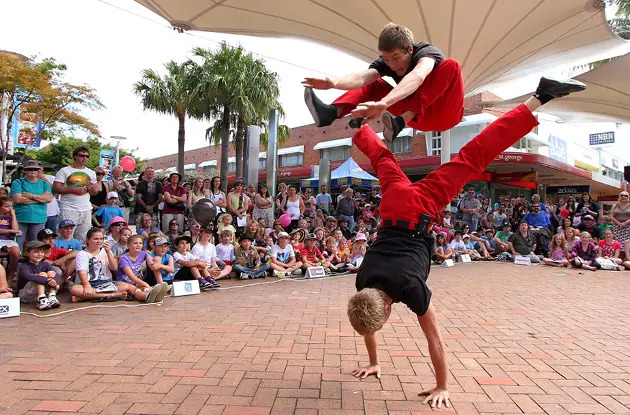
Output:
x=108 y=238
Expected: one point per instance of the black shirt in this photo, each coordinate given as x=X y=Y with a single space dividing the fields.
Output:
x=420 y=50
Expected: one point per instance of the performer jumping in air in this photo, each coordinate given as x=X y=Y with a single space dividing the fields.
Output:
x=396 y=266
x=429 y=95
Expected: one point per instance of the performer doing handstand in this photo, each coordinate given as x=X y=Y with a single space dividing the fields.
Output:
x=396 y=266
x=429 y=95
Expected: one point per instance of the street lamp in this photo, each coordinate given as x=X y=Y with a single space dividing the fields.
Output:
x=118 y=138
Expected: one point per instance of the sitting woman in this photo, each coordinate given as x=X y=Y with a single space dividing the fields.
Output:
x=194 y=231
x=559 y=252
x=608 y=251
x=94 y=272
x=173 y=232
x=584 y=253
x=441 y=250
x=146 y=226
x=131 y=270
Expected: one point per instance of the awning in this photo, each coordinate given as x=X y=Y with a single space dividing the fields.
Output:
x=231 y=159
x=208 y=163
x=290 y=150
x=341 y=142
x=476 y=119
x=535 y=137
x=406 y=132
x=171 y=170
x=191 y=166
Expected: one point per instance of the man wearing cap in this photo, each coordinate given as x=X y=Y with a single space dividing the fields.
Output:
x=122 y=188
x=589 y=225
x=175 y=200
x=65 y=239
x=110 y=211
x=75 y=184
x=30 y=196
x=149 y=194
x=502 y=237
x=346 y=208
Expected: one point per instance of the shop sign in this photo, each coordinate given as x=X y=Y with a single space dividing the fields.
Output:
x=601 y=138
x=567 y=190
x=528 y=176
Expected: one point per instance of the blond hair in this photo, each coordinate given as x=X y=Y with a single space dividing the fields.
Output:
x=366 y=311
x=394 y=36
x=562 y=245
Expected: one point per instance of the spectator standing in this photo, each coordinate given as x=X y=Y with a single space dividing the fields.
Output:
x=620 y=216
x=342 y=193
x=294 y=206
x=282 y=194
x=123 y=188
x=216 y=195
x=237 y=205
x=346 y=208
x=586 y=206
x=470 y=207
x=52 y=208
x=149 y=194
x=324 y=200
x=99 y=199
x=30 y=196
x=175 y=199
x=263 y=208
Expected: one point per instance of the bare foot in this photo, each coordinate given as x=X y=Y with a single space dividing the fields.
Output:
x=75 y=299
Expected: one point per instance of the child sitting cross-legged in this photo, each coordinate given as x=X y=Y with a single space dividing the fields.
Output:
x=162 y=268
x=131 y=267
x=247 y=261
x=559 y=252
x=225 y=249
x=283 y=261
x=206 y=251
x=329 y=253
x=36 y=278
x=62 y=260
x=189 y=267
x=311 y=255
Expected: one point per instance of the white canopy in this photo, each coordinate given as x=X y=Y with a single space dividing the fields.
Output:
x=208 y=163
x=290 y=150
x=607 y=97
x=341 y=142
x=190 y=166
x=495 y=41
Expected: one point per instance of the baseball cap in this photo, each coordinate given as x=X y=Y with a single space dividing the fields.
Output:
x=283 y=234
x=466 y=236
x=587 y=217
x=35 y=245
x=160 y=241
x=111 y=195
x=66 y=222
x=45 y=233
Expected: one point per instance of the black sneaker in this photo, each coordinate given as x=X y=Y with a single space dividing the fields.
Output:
x=204 y=285
x=549 y=88
x=323 y=114
x=392 y=126
x=355 y=122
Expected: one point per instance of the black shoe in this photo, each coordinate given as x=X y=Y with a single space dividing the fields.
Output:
x=355 y=122
x=392 y=126
x=550 y=88
x=323 y=114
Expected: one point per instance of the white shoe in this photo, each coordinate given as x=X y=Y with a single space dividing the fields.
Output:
x=244 y=276
x=297 y=272
x=43 y=303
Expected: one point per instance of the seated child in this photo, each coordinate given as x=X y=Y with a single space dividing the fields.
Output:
x=120 y=247
x=65 y=238
x=225 y=223
x=107 y=213
x=343 y=252
x=441 y=251
x=331 y=259
x=297 y=236
x=162 y=268
x=584 y=253
x=608 y=250
x=225 y=250
x=470 y=248
x=188 y=266
x=558 y=252
x=311 y=255
x=459 y=246
x=205 y=251
x=131 y=267
x=283 y=262
x=247 y=261
x=357 y=253
x=5 y=290
x=36 y=277
x=115 y=225
x=8 y=230
x=62 y=260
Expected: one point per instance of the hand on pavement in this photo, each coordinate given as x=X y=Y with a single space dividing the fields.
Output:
x=435 y=397
x=364 y=372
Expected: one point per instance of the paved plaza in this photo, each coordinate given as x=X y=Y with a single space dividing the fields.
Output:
x=519 y=340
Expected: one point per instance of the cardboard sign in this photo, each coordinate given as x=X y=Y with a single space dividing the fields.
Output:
x=315 y=272
x=9 y=307
x=465 y=258
x=185 y=288
x=448 y=263
x=522 y=260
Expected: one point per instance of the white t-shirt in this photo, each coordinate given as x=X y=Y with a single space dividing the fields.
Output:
x=225 y=252
x=205 y=253
x=71 y=177
x=96 y=266
x=188 y=256
x=282 y=254
x=52 y=208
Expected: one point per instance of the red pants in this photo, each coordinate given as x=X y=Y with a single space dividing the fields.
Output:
x=438 y=103
x=406 y=201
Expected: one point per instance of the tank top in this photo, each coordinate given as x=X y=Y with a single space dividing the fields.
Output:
x=558 y=254
x=195 y=197
x=622 y=215
x=100 y=198
x=293 y=209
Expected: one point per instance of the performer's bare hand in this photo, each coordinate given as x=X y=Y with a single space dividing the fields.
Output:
x=435 y=397
x=318 y=83
x=371 y=110
x=364 y=372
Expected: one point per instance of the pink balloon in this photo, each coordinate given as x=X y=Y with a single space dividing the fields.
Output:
x=285 y=220
x=128 y=163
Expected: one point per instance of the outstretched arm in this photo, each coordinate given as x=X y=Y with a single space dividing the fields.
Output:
x=347 y=82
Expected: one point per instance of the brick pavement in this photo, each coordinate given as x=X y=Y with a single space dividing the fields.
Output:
x=519 y=340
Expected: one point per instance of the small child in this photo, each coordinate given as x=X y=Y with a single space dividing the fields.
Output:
x=584 y=253
x=120 y=247
x=5 y=290
x=225 y=223
x=356 y=257
x=311 y=255
x=162 y=266
x=331 y=259
x=107 y=213
x=297 y=236
x=8 y=230
x=470 y=248
x=559 y=252
x=62 y=260
x=247 y=261
x=188 y=266
x=205 y=250
x=283 y=262
x=225 y=250
x=131 y=267
x=343 y=252
x=36 y=277
x=65 y=238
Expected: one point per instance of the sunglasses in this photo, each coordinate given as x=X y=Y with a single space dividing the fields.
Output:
x=32 y=169
x=100 y=174
x=85 y=156
x=117 y=224
x=196 y=227
x=624 y=195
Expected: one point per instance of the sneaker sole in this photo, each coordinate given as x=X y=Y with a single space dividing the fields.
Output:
x=388 y=128
x=164 y=289
x=308 y=99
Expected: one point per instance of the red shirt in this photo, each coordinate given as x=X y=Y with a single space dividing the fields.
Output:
x=56 y=253
x=312 y=255
x=608 y=250
x=180 y=191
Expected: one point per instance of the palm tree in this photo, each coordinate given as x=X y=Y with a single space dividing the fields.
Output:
x=169 y=94
x=237 y=90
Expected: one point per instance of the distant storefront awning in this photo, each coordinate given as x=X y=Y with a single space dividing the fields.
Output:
x=191 y=166
x=290 y=150
x=341 y=142
x=208 y=163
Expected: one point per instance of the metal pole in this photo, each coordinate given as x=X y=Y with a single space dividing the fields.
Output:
x=251 y=159
x=117 y=154
x=272 y=152
x=445 y=154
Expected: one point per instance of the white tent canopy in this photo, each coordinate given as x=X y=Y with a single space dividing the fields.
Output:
x=495 y=41
x=607 y=97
